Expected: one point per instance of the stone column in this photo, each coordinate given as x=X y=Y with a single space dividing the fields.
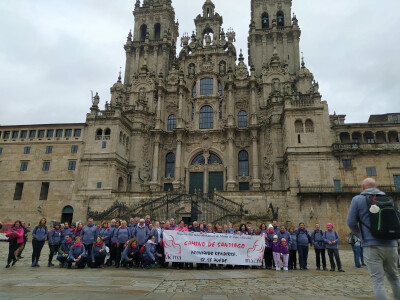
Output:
x=256 y=183
x=156 y=153
x=158 y=118
x=178 y=159
x=180 y=108
x=231 y=183
x=231 y=107
x=205 y=183
x=253 y=120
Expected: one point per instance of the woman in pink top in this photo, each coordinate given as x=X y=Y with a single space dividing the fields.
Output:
x=15 y=238
x=181 y=227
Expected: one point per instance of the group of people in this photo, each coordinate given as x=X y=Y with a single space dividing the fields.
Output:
x=139 y=243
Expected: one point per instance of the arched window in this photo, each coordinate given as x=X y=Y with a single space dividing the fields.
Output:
x=170 y=165
x=157 y=31
x=219 y=88
x=206 y=117
x=99 y=134
x=143 y=32
x=120 y=137
x=192 y=69
x=242 y=119
x=281 y=19
x=243 y=163
x=171 y=122
x=309 y=126
x=194 y=91
x=214 y=159
x=206 y=86
x=107 y=131
x=264 y=21
x=298 y=125
x=199 y=159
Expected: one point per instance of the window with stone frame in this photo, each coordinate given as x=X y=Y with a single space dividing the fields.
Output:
x=206 y=86
x=171 y=122
x=170 y=165
x=206 y=117
x=243 y=163
x=242 y=119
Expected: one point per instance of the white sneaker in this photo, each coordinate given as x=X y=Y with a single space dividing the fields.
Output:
x=285 y=269
x=278 y=269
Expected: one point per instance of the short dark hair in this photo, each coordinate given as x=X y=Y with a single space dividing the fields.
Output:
x=301 y=223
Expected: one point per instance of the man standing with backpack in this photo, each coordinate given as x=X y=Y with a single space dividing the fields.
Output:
x=374 y=217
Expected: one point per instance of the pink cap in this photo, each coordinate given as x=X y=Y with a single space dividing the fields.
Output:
x=329 y=224
x=283 y=240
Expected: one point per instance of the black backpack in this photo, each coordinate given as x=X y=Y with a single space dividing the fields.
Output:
x=385 y=225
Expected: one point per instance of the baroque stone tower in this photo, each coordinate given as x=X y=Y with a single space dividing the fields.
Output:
x=273 y=29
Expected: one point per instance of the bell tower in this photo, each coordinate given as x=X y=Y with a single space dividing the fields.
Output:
x=153 y=42
x=209 y=22
x=273 y=29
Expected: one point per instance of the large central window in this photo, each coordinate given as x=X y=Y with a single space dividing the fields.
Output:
x=206 y=117
x=206 y=86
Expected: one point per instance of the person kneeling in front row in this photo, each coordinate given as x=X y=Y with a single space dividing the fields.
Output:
x=63 y=251
x=128 y=255
x=150 y=254
x=77 y=254
x=99 y=253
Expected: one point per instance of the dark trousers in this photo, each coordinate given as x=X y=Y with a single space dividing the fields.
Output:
x=113 y=254
x=62 y=259
x=320 y=254
x=160 y=249
x=120 y=249
x=12 y=247
x=88 y=249
x=99 y=260
x=334 y=253
x=80 y=263
x=292 y=259
x=268 y=257
x=303 y=256
x=37 y=249
x=53 y=250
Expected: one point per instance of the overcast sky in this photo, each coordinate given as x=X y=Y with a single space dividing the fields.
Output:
x=52 y=53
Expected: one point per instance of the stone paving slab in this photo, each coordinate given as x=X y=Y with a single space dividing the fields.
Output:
x=24 y=282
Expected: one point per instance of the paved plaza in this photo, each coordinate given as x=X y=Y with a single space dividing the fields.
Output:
x=24 y=282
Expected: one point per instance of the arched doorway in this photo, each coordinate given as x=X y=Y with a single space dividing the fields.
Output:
x=67 y=214
x=206 y=173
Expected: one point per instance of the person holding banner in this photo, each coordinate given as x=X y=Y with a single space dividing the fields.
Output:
x=268 y=247
x=181 y=227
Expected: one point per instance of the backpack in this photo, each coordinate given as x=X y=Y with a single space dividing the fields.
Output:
x=351 y=238
x=142 y=249
x=385 y=225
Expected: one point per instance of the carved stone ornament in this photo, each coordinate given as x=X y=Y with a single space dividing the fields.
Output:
x=207 y=64
x=268 y=173
x=144 y=172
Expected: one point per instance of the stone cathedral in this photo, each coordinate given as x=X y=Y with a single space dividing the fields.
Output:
x=206 y=133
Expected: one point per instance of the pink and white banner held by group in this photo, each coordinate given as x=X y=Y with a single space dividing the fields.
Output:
x=213 y=248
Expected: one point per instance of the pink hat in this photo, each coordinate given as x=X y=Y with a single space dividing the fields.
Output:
x=283 y=240
x=329 y=224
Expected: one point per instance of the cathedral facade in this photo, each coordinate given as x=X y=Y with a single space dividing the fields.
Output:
x=202 y=134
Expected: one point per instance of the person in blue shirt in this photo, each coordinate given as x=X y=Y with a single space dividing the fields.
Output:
x=39 y=235
x=318 y=241
x=123 y=235
x=99 y=253
x=332 y=239
x=381 y=255
x=88 y=237
x=150 y=254
x=303 y=239
x=55 y=238
x=77 y=254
